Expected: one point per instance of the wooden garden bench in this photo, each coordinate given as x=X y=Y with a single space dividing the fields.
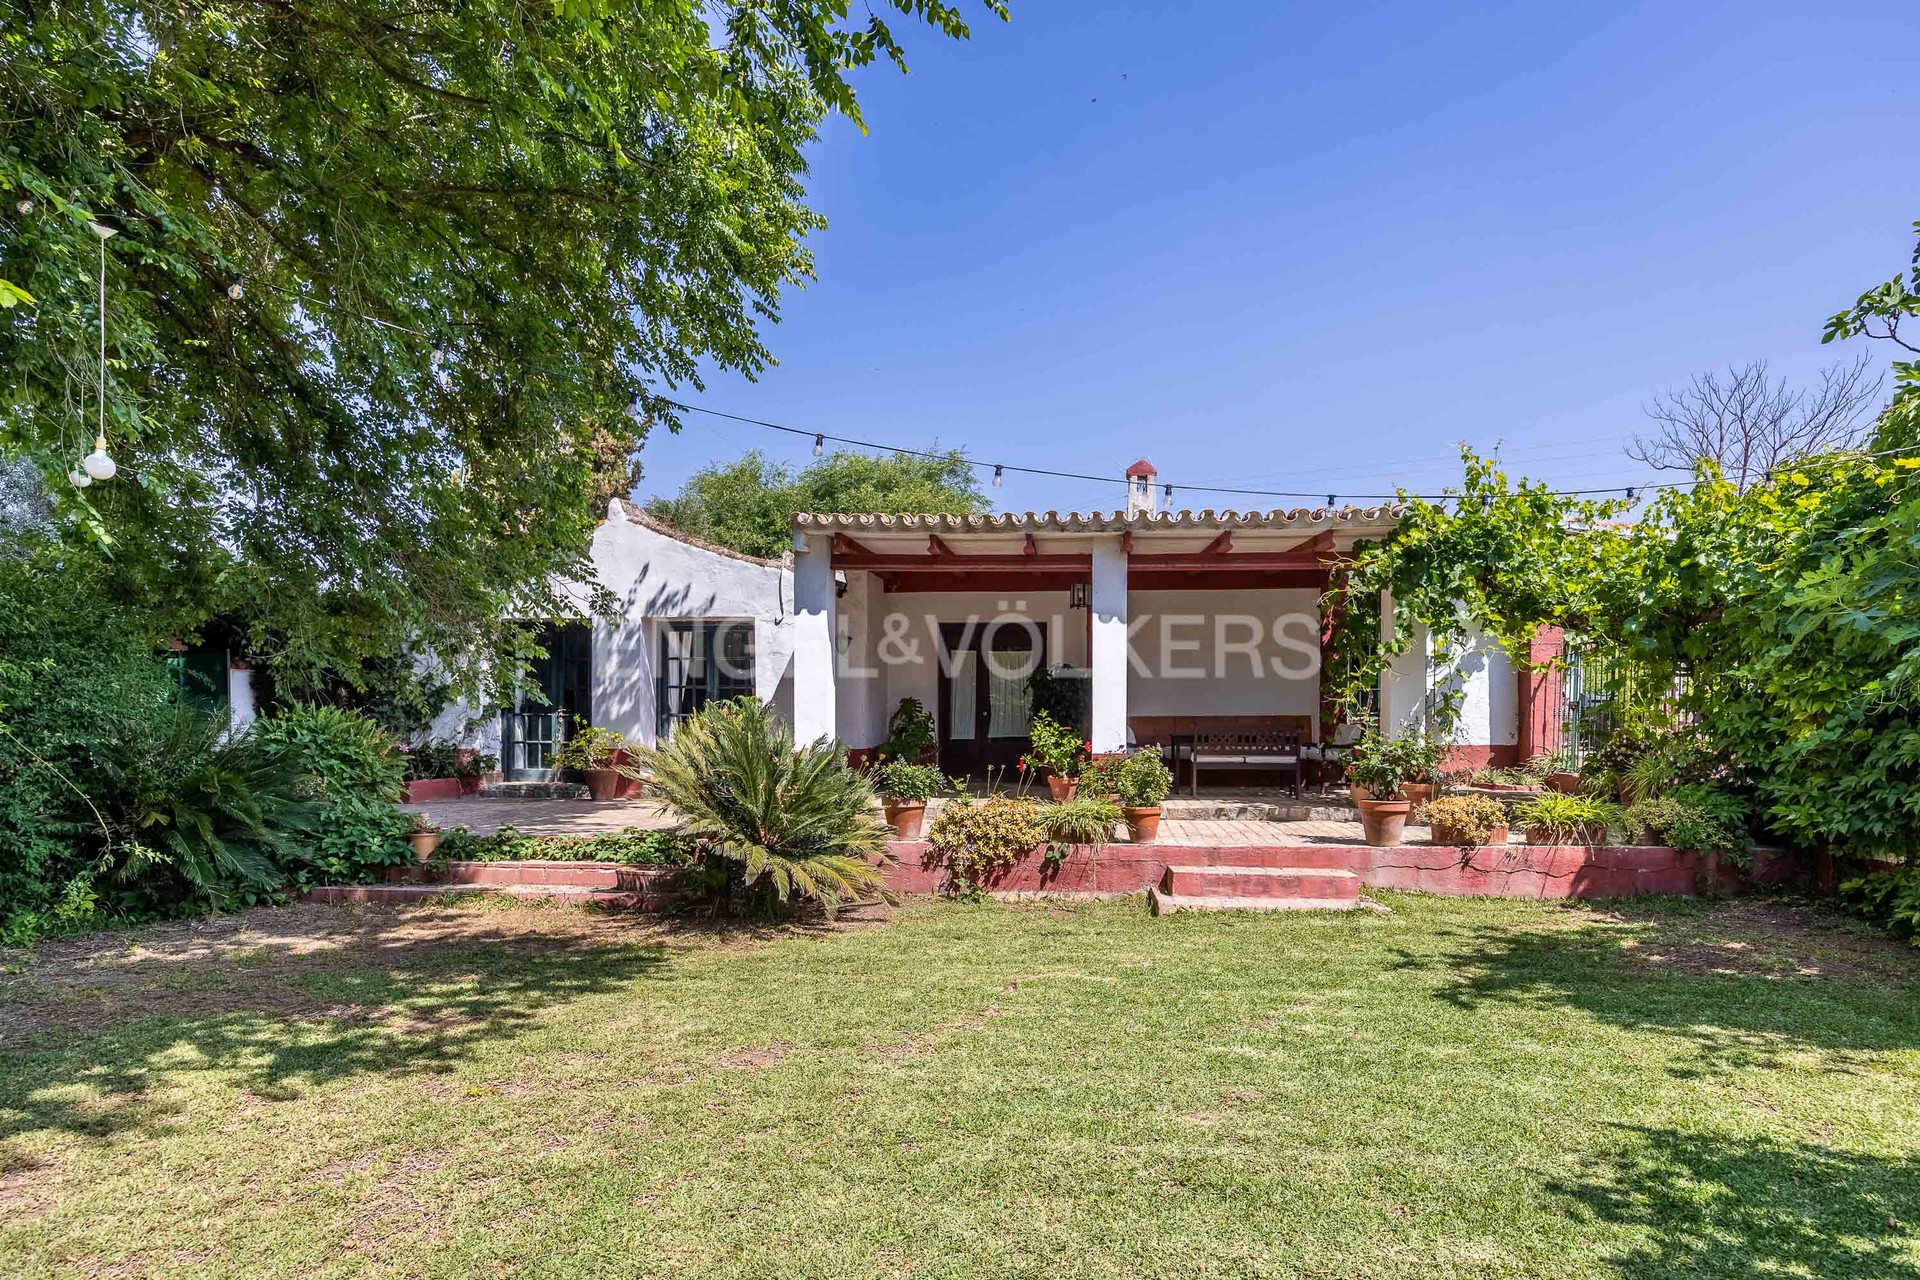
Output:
x=1242 y=749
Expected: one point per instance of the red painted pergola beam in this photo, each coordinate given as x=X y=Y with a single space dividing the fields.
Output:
x=878 y=563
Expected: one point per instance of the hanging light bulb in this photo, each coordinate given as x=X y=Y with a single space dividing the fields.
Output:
x=235 y=292
x=1629 y=493
x=25 y=206
x=1330 y=498
x=98 y=464
x=819 y=445
x=1169 y=494
x=998 y=473
x=78 y=478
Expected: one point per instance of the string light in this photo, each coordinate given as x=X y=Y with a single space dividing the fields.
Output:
x=820 y=438
x=1330 y=498
x=98 y=465
x=234 y=291
x=999 y=473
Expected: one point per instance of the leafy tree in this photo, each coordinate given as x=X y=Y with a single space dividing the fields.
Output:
x=385 y=276
x=746 y=504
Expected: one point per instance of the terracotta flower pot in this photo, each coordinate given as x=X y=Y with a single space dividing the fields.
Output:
x=905 y=817
x=1418 y=792
x=1143 y=823
x=1357 y=793
x=1385 y=821
x=602 y=784
x=1567 y=784
x=424 y=843
x=1444 y=834
x=1550 y=836
x=1062 y=788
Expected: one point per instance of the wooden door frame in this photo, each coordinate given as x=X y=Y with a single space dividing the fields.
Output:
x=978 y=747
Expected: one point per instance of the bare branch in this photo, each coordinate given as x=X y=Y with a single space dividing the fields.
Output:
x=1749 y=425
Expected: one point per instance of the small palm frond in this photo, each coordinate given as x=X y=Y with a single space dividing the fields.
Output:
x=793 y=818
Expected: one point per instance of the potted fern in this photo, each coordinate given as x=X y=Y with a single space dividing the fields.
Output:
x=1142 y=782
x=592 y=751
x=904 y=789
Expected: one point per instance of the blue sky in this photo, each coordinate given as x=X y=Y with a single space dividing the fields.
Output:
x=1311 y=247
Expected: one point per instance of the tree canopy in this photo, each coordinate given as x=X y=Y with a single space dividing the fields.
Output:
x=746 y=505
x=389 y=278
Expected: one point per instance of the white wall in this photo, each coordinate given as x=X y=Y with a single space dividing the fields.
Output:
x=920 y=678
x=1490 y=701
x=1195 y=657
x=653 y=576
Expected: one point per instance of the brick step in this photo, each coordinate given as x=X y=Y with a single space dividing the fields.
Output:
x=1240 y=881
x=586 y=875
x=573 y=895
x=1331 y=857
x=1163 y=903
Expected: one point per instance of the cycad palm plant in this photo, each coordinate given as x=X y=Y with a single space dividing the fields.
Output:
x=785 y=823
x=224 y=812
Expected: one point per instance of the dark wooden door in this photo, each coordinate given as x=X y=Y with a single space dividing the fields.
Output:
x=985 y=707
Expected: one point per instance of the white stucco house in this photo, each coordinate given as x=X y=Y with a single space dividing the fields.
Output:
x=1178 y=621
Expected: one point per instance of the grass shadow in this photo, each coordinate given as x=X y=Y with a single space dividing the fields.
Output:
x=1747 y=983
x=1711 y=1205
x=304 y=997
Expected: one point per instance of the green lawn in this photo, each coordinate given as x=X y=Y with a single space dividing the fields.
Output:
x=1470 y=1088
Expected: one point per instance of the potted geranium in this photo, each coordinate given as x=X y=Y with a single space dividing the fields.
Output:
x=472 y=769
x=424 y=836
x=1142 y=780
x=1377 y=772
x=591 y=750
x=1059 y=750
x=904 y=789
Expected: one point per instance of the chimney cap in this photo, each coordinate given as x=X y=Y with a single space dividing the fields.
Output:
x=1141 y=468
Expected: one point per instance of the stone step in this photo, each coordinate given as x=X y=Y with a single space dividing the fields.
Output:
x=1162 y=903
x=1203 y=809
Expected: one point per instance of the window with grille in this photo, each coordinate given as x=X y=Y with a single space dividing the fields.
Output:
x=702 y=662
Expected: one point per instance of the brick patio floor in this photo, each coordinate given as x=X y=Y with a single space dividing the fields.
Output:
x=589 y=817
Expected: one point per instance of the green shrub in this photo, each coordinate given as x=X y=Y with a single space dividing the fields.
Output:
x=1696 y=818
x=1890 y=899
x=1085 y=819
x=909 y=733
x=633 y=847
x=1141 y=779
x=359 y=777
x=776 y=824
x=980 y=839
x=590 y=747
x=195 y=817
x=75 y=671
x=1569 y=819
x=899 y=779
x=433 y=758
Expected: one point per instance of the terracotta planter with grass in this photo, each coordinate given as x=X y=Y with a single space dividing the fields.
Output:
x=1143 y=822
x=1063 y=789
x=1555 y=836
x=602 y=784
x=905 y=817
x=1385 y=821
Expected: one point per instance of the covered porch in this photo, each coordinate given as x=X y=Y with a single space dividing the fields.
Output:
x=1173 y=626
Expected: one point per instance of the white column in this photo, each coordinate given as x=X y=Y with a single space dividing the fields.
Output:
x=1107 y=647
x=814 y=625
